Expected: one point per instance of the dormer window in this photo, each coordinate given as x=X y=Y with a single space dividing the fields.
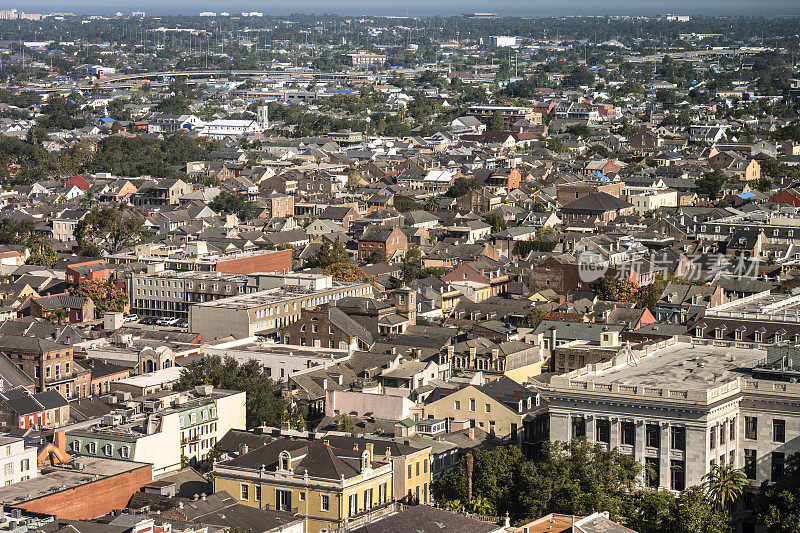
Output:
x=285 y=461
x=758 y=336
x=365 y=462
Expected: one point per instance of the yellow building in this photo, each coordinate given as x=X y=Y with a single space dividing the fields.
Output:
x=503 y=408
x=410 y=466
x=327 y=486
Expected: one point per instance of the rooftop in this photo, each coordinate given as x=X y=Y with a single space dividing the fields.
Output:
x=671 y=368
x=271 y=296
x=57 y=479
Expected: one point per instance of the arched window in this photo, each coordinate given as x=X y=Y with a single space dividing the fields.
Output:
x=285 y=461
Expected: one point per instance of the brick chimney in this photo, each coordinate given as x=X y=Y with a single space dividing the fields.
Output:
x=60 y=441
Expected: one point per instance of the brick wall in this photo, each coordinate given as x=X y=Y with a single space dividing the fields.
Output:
x=273 y=261
x=92 y=499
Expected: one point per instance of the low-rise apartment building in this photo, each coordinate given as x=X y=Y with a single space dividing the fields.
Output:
x=169 y=293
x=17 y=461
x=266 y=312
x=162 y=428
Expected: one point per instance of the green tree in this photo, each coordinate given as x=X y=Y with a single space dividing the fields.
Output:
x=724 y=484
x=41 y=252
x=264 y=404
x=462 y=186
x=110 y=228
x=533 y=317
x=711 y=184
x=432 y=203
x=345 y=424
x=496 y=122
x=777 y=505
x=231 y=202
x=377 y=256
x=497 y=222
x=411 y=268
x=330 y=253
x=694 y=513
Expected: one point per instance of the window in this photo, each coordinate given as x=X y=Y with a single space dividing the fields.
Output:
x=425 y=466
x=283 y=500
x=301 y=496
x=8 y=469
x=382 y=493
x=678 y=440
x=125 y=452
x=603 y=431
x=722 y=433
x=324 y=502
x=778 y=461
x=244 y=491
x=417 y=468
x=472 y=404
x=751 y=427
x=92 y=447
x=409 y=471
x=750 y=464
x=257 y=493
x=578 y=427
x=627 y=433
x=353 y=504
x=677 y=471
x=47 y=372
x=368 y=498
x=779 y=430
x=488 y=408
x=652 y=434
x=652 y=471
x=712 y=441
x=732 y=429
x=75 y=446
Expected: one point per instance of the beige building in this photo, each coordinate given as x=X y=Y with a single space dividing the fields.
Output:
x=680 y=408
x=503 y=408
x=269 y=310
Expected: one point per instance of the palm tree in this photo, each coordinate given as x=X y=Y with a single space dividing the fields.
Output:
x=724 y=484
x=432 y=203
x=481 y=505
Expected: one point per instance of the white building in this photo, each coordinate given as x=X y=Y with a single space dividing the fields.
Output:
x=680 y=408
x=163 y=428
x=502 y=41
x=18 y=461
x=647 y=200
x=279 y=361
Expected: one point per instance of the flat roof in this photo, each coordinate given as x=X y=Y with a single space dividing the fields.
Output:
x=272 y=296
x=681 y=365
x=158 y=377
x=60 y=478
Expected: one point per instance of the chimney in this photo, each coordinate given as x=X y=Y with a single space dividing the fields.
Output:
x=473 y=351
x=243 y=448
x=60 y=441
x=370 y=449
x=471 y=433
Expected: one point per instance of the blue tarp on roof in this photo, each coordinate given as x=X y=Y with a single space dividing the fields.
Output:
x=601 y=176
x=746 y=195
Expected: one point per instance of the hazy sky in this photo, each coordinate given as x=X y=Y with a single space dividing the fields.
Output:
x=424 y=7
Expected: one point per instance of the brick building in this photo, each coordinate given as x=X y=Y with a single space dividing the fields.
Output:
x=389 y=239
x=327 y=327
x=50 y=365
